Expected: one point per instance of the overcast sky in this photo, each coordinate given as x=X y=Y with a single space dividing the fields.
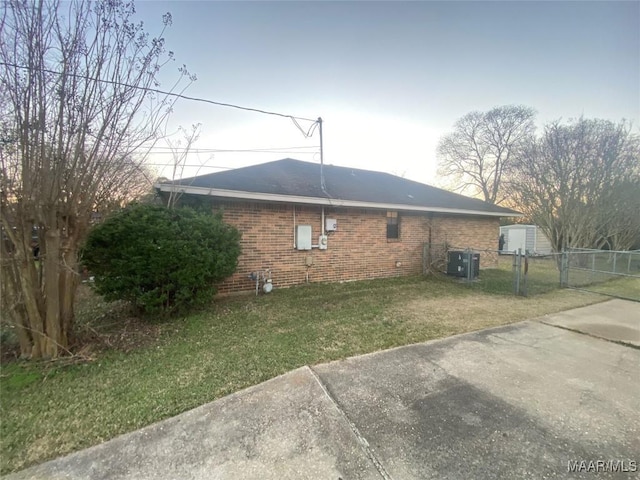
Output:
x=389 y=78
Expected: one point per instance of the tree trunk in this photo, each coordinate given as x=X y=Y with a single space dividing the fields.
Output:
x=68 y=287
x=41 y=309
x=24 y=337
x=34 y=315
x=52 y=267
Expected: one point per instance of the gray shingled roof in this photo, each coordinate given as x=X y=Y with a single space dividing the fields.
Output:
x=291 y=177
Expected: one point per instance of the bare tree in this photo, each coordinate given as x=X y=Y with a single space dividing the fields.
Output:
x=77 y=101
x=180 y=153
x=128 y=180
x=479 y=152
x=579 y=182
x=620 y=215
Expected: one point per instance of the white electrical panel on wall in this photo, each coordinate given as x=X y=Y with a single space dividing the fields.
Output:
x=303 y=237
x=330 y=224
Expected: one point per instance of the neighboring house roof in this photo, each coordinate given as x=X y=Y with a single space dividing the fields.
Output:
x=295 y=181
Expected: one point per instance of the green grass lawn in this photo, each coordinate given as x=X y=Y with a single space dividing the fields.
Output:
x=50 y=409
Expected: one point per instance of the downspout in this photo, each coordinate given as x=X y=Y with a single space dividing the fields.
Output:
x=294 y=226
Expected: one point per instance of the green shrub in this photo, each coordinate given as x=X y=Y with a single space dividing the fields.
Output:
x=161 y=260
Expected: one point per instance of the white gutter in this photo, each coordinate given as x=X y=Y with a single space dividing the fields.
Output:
x=333 y=202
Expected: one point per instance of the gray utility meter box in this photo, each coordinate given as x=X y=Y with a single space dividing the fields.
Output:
x=303 y=237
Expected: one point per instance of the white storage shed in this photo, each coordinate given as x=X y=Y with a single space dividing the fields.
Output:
x=530 y=238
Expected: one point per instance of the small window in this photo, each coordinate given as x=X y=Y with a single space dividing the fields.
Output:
x=393 y=225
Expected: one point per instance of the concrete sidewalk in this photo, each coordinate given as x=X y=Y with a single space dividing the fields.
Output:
x=615 y=320
x=521 y=401
x=274 y=430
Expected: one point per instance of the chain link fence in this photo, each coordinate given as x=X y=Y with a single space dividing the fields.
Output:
x=606 y=272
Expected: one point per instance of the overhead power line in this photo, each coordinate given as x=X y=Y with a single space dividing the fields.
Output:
x=187 y=166
x=162 y=149
x=178 y=95
x=287 y=150
x=195 y=152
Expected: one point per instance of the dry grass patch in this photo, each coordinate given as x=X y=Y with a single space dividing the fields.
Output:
x=477 y=311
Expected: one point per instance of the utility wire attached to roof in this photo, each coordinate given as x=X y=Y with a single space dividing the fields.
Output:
x=173 y=94
x=160 y=148
x=308 y=133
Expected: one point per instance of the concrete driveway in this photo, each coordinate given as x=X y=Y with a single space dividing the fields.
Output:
x=615 y=320
x=529 y=400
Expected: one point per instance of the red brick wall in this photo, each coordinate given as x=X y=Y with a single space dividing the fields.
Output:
x=358 y=250
x=478 y=233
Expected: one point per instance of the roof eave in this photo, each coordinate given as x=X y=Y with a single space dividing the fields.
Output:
x=332 y=202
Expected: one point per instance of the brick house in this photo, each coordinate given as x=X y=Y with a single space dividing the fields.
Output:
x=308 y=223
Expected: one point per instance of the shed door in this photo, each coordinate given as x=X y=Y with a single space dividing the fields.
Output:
x=517 y=239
